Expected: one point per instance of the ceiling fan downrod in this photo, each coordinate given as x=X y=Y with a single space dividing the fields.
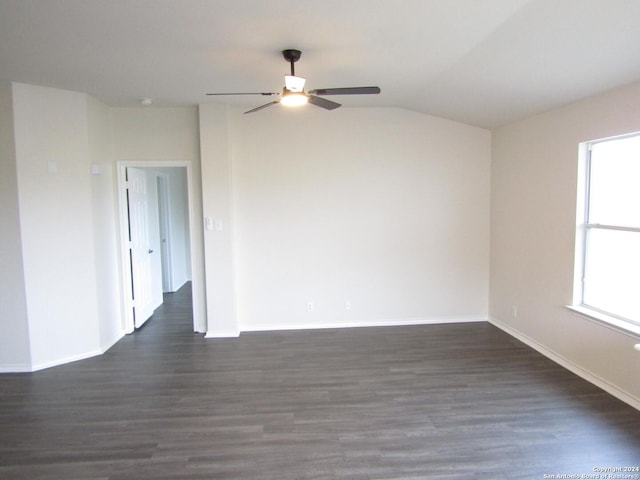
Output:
x=292 y=56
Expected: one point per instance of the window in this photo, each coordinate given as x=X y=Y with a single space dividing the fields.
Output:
x=609 y=230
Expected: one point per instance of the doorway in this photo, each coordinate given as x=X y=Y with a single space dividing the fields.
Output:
x=163 y=260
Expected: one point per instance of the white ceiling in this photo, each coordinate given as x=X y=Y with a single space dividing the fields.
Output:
x=481 y=62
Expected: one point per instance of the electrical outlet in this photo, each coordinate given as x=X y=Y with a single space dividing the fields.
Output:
x=514 y=311
x=347 y=305
x=309 y=306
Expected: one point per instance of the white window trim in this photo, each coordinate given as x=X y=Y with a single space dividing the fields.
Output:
x=585 y=311
x=605 y=319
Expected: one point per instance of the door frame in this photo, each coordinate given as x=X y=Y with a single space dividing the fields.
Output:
x=123 y=237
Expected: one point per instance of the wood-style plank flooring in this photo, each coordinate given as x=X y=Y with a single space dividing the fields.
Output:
x=462 y=401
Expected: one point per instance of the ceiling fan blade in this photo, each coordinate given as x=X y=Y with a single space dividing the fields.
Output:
x=262 y=106
x=346 y=91
x=265 y=94
x=323 y=102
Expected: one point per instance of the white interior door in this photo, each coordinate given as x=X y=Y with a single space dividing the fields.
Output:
x=140 y=245
x=165 y=232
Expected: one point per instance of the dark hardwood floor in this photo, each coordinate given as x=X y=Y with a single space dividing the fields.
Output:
x=462 y=401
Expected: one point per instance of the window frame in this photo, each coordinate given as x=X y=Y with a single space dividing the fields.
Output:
x=583 y=227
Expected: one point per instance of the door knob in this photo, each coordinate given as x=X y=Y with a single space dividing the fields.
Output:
x=150 y=251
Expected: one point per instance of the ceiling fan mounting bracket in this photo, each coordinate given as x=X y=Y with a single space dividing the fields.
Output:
x=291 y=56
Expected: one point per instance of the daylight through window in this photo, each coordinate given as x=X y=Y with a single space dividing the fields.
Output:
x=611 y=228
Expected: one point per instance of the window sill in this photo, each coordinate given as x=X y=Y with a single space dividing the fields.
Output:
x=606 y=320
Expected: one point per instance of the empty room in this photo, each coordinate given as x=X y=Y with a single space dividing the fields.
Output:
x=358 y=239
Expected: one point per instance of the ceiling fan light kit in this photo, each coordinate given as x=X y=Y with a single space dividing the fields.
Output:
x=293 y=99
x=293 y=94
x=293 y=83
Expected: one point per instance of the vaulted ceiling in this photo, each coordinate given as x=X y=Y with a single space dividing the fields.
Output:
x=481 y=62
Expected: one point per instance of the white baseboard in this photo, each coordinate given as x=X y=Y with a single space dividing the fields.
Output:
x=569 y=365
x=106 y=346
x=375 y=323
x=61 y=361
x=15 y=368
x=28 y=368
x=222 y=334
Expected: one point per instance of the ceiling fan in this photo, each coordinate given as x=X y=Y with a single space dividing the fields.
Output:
x=293 y=93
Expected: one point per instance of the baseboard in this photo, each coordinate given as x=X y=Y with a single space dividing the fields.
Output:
x=25 y=368
x=61 y=361
x=28 y=368
x=15 y=368
x=376 y=323
x=569 y=365
x=106 y=346
x=222 y=334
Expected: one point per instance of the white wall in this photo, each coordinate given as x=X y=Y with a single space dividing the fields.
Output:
x=55 y=204
x=215 y=151
x=167 y=135
x=15 y=352
x=108 y=273
x=61 y=287
x=384 y=208
x=533 y=221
